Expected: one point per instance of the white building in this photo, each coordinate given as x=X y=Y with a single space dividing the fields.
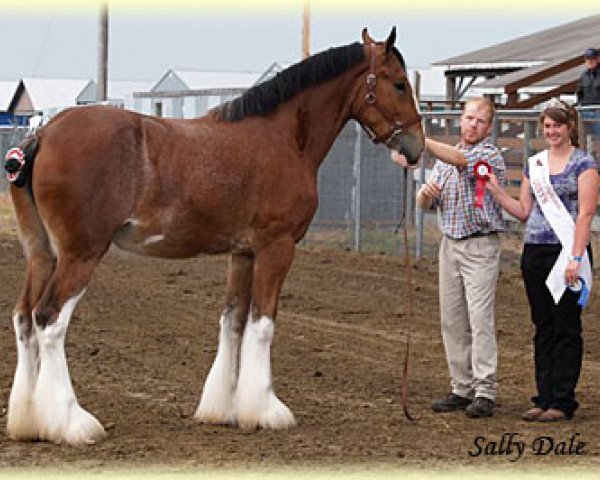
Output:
x=8 y=89
x=120 y=93
x=46 y=96
x=191 y=93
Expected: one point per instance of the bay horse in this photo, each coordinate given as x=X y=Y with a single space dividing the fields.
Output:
x=240 y=180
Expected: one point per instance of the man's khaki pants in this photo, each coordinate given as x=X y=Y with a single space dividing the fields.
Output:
x=468 y=275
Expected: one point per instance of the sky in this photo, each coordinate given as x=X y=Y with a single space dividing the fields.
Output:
x=59 y=38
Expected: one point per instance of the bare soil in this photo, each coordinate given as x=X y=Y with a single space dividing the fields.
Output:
x=144 y=337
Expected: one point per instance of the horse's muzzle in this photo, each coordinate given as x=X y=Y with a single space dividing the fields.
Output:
x=410 y=144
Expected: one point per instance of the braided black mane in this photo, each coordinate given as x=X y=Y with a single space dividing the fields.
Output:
x=266 y=96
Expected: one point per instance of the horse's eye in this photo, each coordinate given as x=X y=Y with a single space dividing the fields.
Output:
x=400 y=86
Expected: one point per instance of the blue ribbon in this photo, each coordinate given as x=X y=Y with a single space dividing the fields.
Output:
x=584 y=292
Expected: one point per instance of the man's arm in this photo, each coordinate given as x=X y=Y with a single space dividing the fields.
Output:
x=446 y=153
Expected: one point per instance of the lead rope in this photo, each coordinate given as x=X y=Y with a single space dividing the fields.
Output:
x=407 y=262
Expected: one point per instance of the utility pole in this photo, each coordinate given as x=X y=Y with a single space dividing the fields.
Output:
x=102 y=73
x=306 y=30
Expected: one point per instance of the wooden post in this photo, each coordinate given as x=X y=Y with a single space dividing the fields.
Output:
x=102 y=73
x=528 y=135
x=306 y=30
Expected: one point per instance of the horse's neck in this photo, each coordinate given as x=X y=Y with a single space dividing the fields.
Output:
x=320 y=114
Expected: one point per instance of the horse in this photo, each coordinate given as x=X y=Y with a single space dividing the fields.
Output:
x=241 y=180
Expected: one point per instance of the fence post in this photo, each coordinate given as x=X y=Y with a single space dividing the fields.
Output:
x=410 y=199
x=528 y=134
x=357 y=186
x=495 y=129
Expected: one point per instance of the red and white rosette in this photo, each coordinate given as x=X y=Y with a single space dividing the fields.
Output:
x=482 y=172
x=14 y=161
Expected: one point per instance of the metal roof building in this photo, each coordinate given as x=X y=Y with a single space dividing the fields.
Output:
x=46 y=95
x=539 y=65
x=7 y=92
x=191 y=93
x=120 y=93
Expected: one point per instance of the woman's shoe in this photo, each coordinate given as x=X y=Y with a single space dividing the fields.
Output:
x=554 y=415
x=532 y=414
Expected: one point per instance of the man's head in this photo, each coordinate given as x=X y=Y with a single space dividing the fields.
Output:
x=476 y=120
x=592 y=58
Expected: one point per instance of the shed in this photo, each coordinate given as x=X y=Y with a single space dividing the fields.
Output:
x=8 y=89
x=191 y=93
x=46 y=96
x=119 y=93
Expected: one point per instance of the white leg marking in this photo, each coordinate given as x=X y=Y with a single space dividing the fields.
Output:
x=153 y=239
x=60 y=417
x=21 y=423
x=256 y=404
x=216 y=404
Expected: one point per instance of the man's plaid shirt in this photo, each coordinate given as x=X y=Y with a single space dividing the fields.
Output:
x=458 y=215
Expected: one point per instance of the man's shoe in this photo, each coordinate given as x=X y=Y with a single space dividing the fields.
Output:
x=450 y=403
x=480 y=407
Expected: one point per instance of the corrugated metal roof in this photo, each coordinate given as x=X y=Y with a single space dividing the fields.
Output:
x=7 y=92
x=560 y=79
x=117 y=91
x=565 y=41
x=206 y=80
x=121 y=89
x=48 y=93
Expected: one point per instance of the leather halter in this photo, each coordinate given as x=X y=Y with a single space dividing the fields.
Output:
x=395 y=126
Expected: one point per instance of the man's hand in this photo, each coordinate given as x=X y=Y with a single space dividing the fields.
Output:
x=401 y=160
x=493 y=185
x=428 y=193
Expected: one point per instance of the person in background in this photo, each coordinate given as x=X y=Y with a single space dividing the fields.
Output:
x=588 y=91
x=569 y=176
x=469 y=259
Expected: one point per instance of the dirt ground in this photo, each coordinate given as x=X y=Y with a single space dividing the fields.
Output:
x=143 y=339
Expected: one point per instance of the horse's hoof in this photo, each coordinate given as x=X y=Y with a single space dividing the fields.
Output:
x=275 y=415
x=213 y=418
x=81 y=428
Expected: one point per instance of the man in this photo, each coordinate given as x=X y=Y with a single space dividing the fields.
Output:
x=469 y=258
x=588 y=91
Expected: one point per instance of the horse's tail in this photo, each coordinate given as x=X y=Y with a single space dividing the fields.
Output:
x=34 y=236
x=19 y=162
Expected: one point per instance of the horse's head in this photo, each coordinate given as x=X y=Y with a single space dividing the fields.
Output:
x=385 y=105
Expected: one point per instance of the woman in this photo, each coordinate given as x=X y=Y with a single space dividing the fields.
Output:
x=573 y=175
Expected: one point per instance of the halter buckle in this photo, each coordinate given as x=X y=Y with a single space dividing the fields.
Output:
x=371 y=80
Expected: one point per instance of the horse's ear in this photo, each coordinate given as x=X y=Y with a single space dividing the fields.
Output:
x=367 y=40
x=389 y=43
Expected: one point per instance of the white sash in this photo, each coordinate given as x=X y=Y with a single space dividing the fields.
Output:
x=561 y=222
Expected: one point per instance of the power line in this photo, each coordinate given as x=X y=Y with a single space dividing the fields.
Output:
x=43 y=46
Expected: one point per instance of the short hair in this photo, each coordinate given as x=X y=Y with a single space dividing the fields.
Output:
x=482 y=102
